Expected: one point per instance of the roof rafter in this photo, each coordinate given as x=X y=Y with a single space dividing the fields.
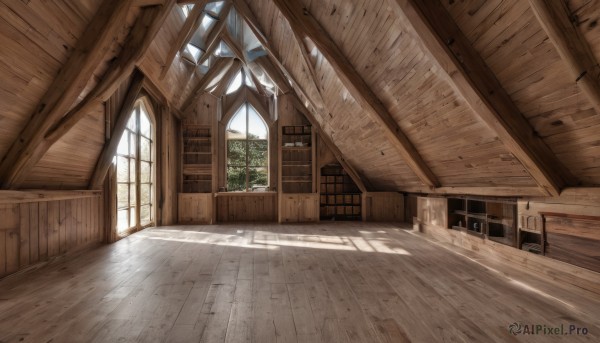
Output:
x=79 y=69
x=280 y=72
x=302 y=22
x=226 y=80
x=554 y=17
x=213 y=37
x=220 y=66
x=274 y=73
x=110 y=148
x=141 y=36
x=191 y=24
x=471 y=77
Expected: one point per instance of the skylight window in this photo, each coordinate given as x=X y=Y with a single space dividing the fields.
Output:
x=214 y=8
x=236 y=83
x=223 y=50
x=187 y=9
x=191 y=53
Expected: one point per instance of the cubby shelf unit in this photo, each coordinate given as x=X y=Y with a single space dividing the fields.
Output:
x=297 y=156
x=493 y=219
x=196 y=159
x=340 y=197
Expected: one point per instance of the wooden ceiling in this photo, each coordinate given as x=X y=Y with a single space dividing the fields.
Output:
x=483 y=100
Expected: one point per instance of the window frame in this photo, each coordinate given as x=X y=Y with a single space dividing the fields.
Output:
x=134 y=179
x=247 y=141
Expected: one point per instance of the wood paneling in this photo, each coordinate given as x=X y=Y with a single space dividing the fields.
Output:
x=246 y=207
x=384 y=207
x=298 y=208
x=433 y=211
x=32 y=232
x=513 y=44
x=195 y=208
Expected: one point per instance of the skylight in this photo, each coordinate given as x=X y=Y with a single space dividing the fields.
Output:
x=187 y=9
x=236 y=83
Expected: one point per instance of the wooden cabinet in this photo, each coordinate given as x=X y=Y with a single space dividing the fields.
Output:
x=297 y=157
x=340 y=197
x=299 y=208
x=494 y=219
x=197 y=159
x=195 y=208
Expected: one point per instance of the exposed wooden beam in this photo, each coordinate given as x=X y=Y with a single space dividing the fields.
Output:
x=555 y=18
x=304 y=24
x=483 y=191
x=72 y=79
x=24 y=196
x=140 y=38
x=227 y=78
x=255 y=100
x=467 y=72
x=278 y=78
x=233 y=45
x=144 y=3
x=332 y=147
x=213 y=39
x=259 y=86
x=110 y=148
x=220 y=66
x=191 y=24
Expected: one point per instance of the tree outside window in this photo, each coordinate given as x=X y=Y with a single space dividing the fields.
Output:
x=247 y=151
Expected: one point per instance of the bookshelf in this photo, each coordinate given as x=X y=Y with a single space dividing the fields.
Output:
x=196 y=159
x=340 y=197
x=297 y=159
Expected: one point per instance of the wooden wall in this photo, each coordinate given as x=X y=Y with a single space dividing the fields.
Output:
x=246 y=207
x=195 y=208
x=384 y=207
x=34 y=232
x=299 y=208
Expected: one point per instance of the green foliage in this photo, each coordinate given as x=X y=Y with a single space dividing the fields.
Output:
x=257 y=152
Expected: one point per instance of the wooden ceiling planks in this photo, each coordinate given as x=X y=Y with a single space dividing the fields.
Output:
x=523 y=59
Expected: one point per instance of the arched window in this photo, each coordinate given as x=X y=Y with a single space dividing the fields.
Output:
x=135 y=172
x=247 y=139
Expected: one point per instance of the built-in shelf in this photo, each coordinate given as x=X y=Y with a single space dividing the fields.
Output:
x=196 y=156
x=340 y=197
x=486 y=218
x=297 y=159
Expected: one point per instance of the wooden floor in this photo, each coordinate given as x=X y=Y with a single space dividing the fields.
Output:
x=332 y=282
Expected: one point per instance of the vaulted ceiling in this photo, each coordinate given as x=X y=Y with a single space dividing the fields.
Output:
x=483 y=97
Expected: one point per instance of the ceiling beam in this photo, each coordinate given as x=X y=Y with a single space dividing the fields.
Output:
x=191 y=24
x=259 y=86
x=72 y=79
x=304 y=24
x=213 y=39
x=482 y=191
x=220 y=66
x=226 y=80
x=279 y=74
x=278 y=78
x=555 y=19
x=108 y=153
x=233 y=45
x=468 y=74
x=147 y=25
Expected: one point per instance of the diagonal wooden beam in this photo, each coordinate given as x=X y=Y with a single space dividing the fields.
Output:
x=467 y=72
x=220 y=66
x=233 y=45
x=304 y=24
x=213 y=39
x=259 y=86
x=227 y=78
x=191 y=24
x=108 y=153
x=274 y=73
x=555 y=18
x=79 y=69
x=140 y=38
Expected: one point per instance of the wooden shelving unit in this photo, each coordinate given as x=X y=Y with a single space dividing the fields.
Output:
x=196 y=159
x=340 y=197
x=493 y=219
x=297 y=156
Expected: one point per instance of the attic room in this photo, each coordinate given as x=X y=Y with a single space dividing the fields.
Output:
x=299 y=171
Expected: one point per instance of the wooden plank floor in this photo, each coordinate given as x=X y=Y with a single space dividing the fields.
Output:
x=331 y=282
